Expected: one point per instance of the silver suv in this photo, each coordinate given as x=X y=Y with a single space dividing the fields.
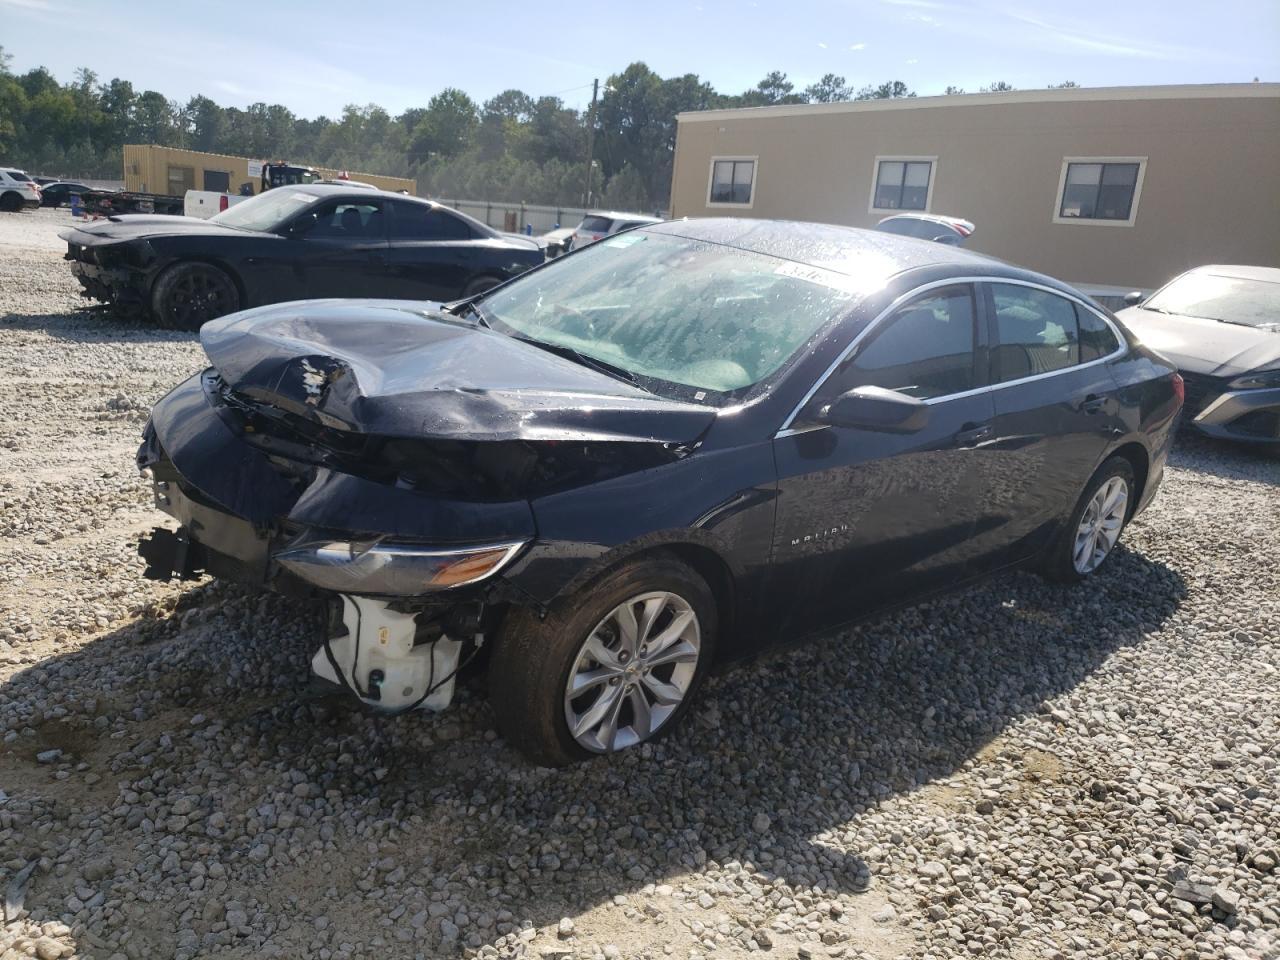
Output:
x=598 y=224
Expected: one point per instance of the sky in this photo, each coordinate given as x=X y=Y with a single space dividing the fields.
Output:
x=318 y=56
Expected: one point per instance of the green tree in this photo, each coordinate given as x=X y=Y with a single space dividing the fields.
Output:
x=998 y=87
x=447 y=127
x=830 y=89
x=892 y=90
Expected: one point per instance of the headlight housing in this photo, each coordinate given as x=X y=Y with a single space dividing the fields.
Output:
x=393 y=569
x=1256 y=381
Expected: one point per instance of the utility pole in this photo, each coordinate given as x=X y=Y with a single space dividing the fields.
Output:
x=591 y=140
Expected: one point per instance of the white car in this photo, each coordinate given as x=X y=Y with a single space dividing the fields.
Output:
x=598 y=224
x=17 y=191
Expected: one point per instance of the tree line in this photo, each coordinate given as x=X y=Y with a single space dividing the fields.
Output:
x=513 y=146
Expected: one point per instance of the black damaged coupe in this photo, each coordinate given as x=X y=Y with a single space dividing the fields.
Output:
x=664 y=452
x=312 y=240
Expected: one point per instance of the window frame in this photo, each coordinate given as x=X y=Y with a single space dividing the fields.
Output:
x=755 y=181
x=983 y=293
x=1098 y=221
x=875 y=182
x=333 y=204
x=978 y=336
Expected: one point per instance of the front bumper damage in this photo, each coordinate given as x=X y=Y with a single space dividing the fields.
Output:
x=104 y=275
x=393 y=641
x=1250 y=415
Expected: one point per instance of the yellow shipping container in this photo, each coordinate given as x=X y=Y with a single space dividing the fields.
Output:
x=149 y=168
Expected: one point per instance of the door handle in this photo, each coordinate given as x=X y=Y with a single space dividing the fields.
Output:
x=971 y=436
x=1093 y=403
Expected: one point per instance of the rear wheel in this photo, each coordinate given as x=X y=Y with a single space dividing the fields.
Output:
x=10 y=203
x=479 y=285
x=1090 y=535
x=609 y=668
x=188 y=294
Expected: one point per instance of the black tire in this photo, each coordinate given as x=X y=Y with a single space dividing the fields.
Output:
x=530 y=668
x=479 y=285
x=1059 y=561
x=187 y=295
x=10 y=203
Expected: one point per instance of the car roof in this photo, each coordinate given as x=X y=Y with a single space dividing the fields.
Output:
x=868 y=257
x=1240 y=272
x=363 y=193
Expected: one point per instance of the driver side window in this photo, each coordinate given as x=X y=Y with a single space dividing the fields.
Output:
x=925 y=349
x=344 y=220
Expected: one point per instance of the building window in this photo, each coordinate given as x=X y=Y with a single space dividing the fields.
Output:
x=732 y=182
x=1099 y=190
x=902 y=183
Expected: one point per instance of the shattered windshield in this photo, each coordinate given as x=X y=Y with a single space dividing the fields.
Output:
x=266 y=211
x=673 y=310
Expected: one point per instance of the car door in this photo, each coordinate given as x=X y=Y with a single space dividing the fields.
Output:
x=1055 y=412
x=432 y=254
x=341 y=248
x=866 y=518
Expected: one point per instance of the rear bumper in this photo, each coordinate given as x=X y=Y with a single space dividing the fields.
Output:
x=1252 y=416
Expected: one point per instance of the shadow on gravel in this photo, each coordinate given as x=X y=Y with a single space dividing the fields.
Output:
x=1257 y=462
x=94 y=324
x=813 y=740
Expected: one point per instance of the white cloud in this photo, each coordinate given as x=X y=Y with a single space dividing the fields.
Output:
x=857 y=46
x=822 y=46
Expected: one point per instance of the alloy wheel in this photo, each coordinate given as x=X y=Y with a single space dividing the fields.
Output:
x=197 y=298
x=1100 y=525
x=633 y=672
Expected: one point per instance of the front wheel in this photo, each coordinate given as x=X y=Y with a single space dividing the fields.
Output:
x=188 y=294
x=609 y=668
x=1091 y=533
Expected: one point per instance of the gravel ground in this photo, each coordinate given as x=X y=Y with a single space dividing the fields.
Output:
x=1020 y=771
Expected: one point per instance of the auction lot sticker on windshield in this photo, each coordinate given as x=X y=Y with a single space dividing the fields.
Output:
x=818 y=275
x=626 y=240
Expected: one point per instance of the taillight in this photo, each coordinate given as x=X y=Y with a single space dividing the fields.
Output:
x=223 y=202
x=1179 y=388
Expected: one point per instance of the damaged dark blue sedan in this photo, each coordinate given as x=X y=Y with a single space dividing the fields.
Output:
x=671 y=449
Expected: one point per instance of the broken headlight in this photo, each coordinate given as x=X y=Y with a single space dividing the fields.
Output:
x=391 y=569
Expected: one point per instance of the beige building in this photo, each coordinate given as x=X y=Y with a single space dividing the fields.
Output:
x=1110 y=189
x=149 y=168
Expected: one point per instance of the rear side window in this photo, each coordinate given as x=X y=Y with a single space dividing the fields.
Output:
x=1036 y=332
x=595 y=224
x=18 y=175
x=924 y=350
x=417 y=221
x=1096 y=338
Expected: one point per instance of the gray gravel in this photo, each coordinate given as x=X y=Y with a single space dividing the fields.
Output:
x=1020 y=771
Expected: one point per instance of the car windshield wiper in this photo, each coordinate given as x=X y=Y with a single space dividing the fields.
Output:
x=586 y=360
x=1238 y=323
x=474 y=309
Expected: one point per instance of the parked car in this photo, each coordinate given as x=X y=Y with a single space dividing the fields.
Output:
x=42 y=181
x=928 y=226
x=673 y=449
x=291 y=242
x=598 y=224
x=1221 y=326
x=17 y=191
x=559 y=241
x=58 y=193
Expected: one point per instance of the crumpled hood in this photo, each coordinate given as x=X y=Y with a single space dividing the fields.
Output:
x=134 y=226
x=403 y=369
x=1204 y=346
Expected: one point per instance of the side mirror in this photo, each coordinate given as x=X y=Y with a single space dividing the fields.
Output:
x=1133 y=298
x=875 y=408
